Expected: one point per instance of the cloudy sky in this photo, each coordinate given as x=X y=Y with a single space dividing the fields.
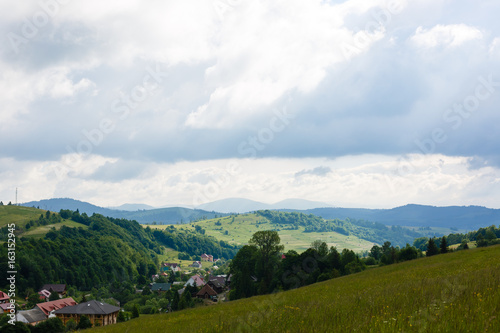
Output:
x=357 y=103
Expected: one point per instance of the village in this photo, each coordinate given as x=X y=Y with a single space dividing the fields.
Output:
x=172 y=284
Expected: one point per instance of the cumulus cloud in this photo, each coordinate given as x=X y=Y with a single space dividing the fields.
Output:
x=185 y=83
x=320 y=171
x=452 y=35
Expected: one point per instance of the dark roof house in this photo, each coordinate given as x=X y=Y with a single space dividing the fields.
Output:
x=58 y=288
x=206 y=292
x=97 y=312
x=32 y=317
x=160 y=287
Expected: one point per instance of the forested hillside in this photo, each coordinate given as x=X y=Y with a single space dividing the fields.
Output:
x=100 y=252
x=370 y=231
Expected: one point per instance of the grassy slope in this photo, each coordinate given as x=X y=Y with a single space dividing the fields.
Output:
x=21 y=215
x=244 y=226
x=18 y=215
x=456 y=292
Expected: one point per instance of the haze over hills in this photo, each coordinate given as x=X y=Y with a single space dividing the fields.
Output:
x=170 y=215
x=130 y=207
x=241 y=205
x=461 y=217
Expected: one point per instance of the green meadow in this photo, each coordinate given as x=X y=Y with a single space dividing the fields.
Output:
x=454 y=292
x=240 y=229
x=20 y=216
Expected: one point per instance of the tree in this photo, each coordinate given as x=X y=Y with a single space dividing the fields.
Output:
x=443 y=246
x=242 y=269
x=33 y=300
x=432 y=248
x=135 y=311
x=52 y=325
x=268 y=244
x=71 y=325
x=320 y=247
x=18 y=327
x=480 y=241
x=146 y=291
x=121 y=317
x=376 y=252
x=84 y=323
x=53 y=296
x=175 y=301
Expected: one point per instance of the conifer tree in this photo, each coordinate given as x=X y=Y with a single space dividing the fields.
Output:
x=432 y=248
x=443 y=246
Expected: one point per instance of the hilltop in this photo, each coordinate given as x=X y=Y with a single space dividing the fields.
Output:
x=170 y=215
x=32 y=222
x=297 y=230
x=452 y=292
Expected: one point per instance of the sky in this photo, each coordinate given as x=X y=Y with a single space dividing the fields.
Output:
x=356 y=103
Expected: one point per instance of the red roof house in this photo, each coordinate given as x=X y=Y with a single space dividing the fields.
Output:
x=48 y=307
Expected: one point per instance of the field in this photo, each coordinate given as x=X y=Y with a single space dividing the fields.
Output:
x=455 y=292
x=20 y=216
x=241 y=229
x=172 y=256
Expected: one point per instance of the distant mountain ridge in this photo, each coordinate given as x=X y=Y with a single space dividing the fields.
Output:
x=171 y=215
x=461 y=217
x=240 y=205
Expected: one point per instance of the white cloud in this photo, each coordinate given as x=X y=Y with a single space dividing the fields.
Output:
x=354 y=181
x=226 y=74
x=452 y=35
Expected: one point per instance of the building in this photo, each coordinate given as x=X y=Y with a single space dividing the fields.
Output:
x=58 y=288
x=196 y=281
x=31 y=317
x=172 y=266
x=4 y=298
x=206 y=292
x=207 y=257
x=216 y=285
x=48 y=307
x=4 y=302
x=44 y=294
x=160 y=287
x=196 y=264
x=99 y=313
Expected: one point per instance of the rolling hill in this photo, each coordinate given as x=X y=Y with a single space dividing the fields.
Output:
x=240 y=205
x=461 y=217
x=455 y=292
x=169 y=215
x=297 y=230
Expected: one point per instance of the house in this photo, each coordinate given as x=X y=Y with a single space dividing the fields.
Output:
x=195 y=264
x=4 y=298
x=206 y=292
x=216 y=285
x=44 y=294
x=173 y=266
x=207 y=257
x=6 y=307
x=31 y=317
x=4 y=302
x=58 y=288
x=196 y=281
x=160 y=287
x=48 y=307
x=99 y=313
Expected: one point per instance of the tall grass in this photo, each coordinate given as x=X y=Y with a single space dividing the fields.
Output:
x=455 y=292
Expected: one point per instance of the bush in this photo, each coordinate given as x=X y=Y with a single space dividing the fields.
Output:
x=84 y=323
